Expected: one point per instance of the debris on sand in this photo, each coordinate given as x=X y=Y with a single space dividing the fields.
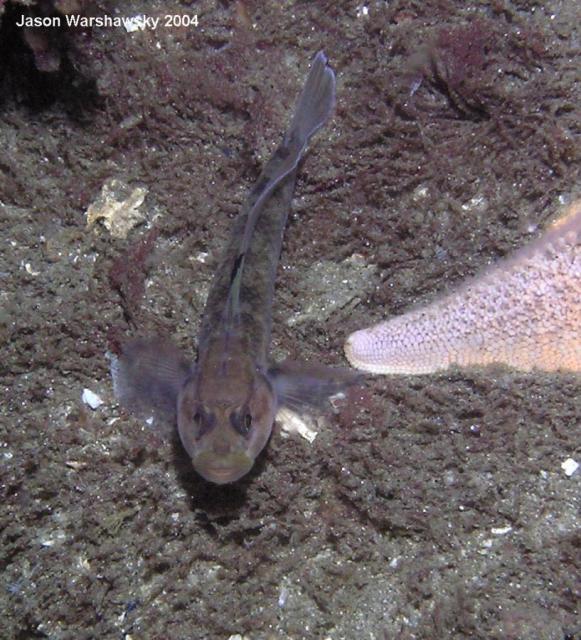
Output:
x=118 y=207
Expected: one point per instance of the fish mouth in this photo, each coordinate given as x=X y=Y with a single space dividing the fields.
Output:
x=222 y=469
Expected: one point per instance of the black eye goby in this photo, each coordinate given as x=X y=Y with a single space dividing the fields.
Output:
x=225 y=404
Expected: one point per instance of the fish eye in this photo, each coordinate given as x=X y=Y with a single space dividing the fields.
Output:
x=242 y=422
x=203 y=422
x=245 y=424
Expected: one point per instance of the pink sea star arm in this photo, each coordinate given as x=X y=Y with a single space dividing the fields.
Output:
x=524 y=312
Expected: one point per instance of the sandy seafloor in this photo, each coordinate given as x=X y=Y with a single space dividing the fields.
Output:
x=430 y=507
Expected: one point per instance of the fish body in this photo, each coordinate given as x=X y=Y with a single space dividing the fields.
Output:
x=225 y=404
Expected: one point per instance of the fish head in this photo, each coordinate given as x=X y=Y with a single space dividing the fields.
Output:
x=225 y=425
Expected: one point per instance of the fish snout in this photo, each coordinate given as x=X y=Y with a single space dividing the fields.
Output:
x=222 y=469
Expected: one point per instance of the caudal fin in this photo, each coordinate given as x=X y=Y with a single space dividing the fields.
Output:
x=313 y=109
x=315 y=103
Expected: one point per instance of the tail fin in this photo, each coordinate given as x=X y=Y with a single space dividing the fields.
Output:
x=314 y=105
x=312 y=110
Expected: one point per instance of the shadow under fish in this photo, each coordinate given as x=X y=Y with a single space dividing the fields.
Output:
x=225 y=404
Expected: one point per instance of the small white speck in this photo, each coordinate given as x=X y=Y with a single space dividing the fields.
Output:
x=420 y=193
x=75 y=465
x=283 y=597
x=30 y=270
x=415 y=85
x=202 y=257
x=475 y=203
x=500 y=531
x=394 y=562
x=59 y=536
x=91 y=398
x=569 y=466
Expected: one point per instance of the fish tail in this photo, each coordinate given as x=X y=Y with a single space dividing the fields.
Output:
x=314 y=105
x=313 y=109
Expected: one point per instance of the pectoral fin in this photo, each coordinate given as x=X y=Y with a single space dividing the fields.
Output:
x=306 y=388
x=148 y=377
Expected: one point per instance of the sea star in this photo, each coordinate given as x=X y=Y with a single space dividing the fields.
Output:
x=524 y=312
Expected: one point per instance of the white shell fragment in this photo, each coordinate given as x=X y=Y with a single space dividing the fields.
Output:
x=28 y=268
x=283 y=596
x=292 y=422
x=118 y=207
x=501 y=531
x=569 y=466
x=91 y=399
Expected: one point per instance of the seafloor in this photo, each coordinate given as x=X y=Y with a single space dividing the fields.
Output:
x=430 y=507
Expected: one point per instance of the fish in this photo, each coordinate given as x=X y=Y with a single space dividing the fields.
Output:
x=225 y=403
